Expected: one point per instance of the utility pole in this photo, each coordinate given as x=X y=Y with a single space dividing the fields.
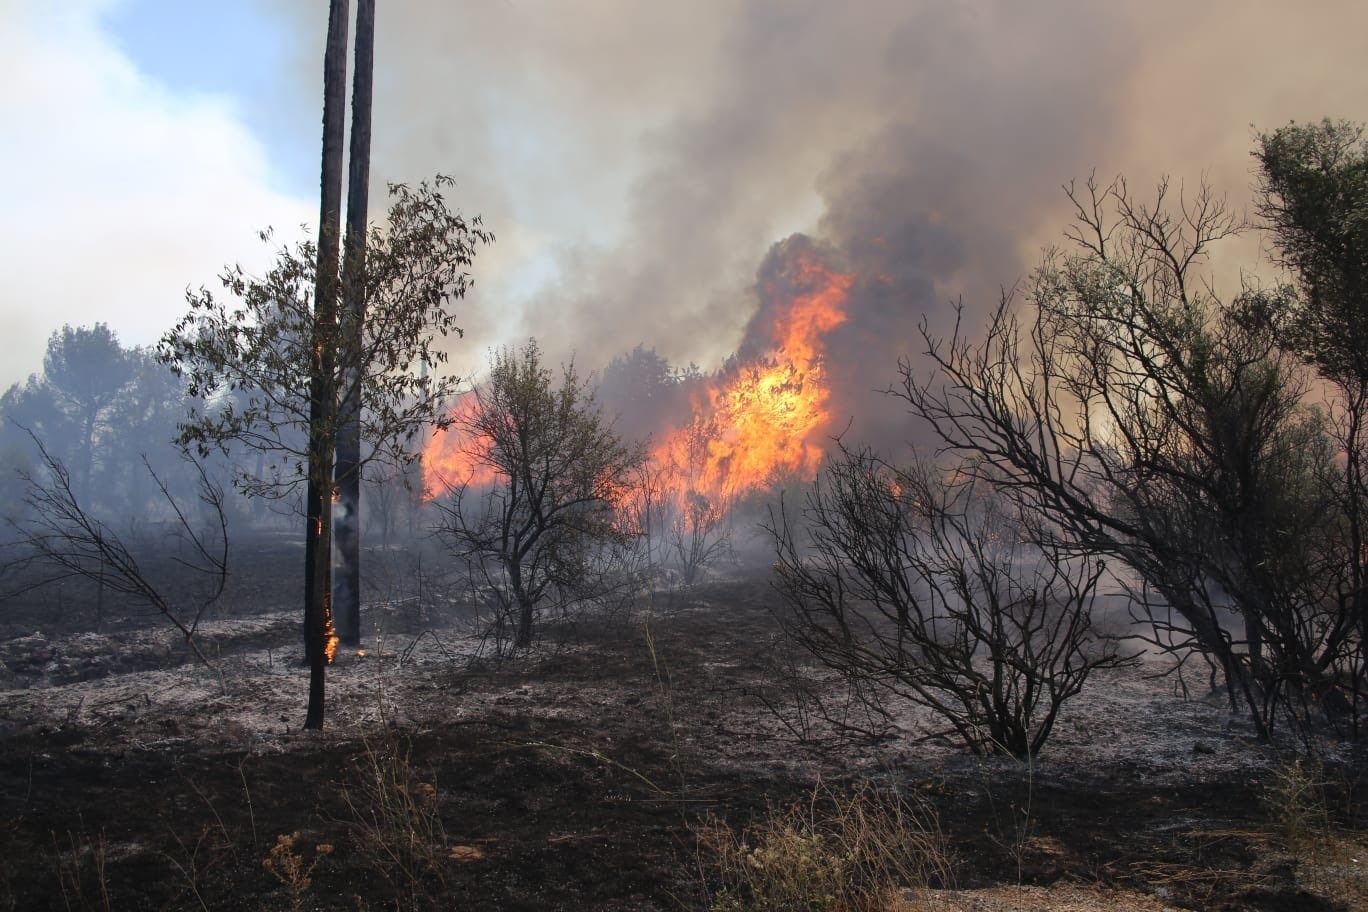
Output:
x=322 y=392
x=347 y=522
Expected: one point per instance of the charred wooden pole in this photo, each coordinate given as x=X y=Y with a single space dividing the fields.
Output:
x=347 y=522
x=322 y=387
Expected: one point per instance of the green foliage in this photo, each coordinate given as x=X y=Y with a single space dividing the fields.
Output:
x=1313 y=196
x=1313 y=193
x=33 y=407
x=86 y=368
x=247 y=354
x=99 y=409
x=644 y=394
x=538 y=509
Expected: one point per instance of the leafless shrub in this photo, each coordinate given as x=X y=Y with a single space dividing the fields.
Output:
x=937 y=592
x=61 y=539
x=700 y=534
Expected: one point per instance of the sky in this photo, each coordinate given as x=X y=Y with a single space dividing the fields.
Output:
x=636 y=160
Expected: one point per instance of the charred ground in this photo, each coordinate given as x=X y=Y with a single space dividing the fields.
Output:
x=576 y=777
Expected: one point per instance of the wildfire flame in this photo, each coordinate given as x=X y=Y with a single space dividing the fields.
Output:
x=448 y=462
x=758 y=422
x=755 y=423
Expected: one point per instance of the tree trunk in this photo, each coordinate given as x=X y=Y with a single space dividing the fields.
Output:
x=347 y=525
x=322 y=395
x=523 y=638
x=86 y=459
x=522 y=635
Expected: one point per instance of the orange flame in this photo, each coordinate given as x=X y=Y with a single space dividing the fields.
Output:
x=448 y=461
x=330 y=637
x=757 y=424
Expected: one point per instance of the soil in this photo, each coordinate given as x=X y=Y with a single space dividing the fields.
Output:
x=577 y=775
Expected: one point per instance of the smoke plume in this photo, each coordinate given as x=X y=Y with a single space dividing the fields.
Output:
x=638 y=161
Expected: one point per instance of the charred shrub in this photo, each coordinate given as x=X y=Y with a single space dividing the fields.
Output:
x=933 y=590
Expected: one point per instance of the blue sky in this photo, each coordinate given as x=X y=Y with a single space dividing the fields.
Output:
x=171 y=133
x=238 y=50
x=135 y=169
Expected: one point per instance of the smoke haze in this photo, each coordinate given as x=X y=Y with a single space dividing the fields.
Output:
x=638 y=160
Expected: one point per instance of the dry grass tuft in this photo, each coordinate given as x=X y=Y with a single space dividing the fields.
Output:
x=287 y=864
x=856 y=850
x=394 y=824
x=1296 y=803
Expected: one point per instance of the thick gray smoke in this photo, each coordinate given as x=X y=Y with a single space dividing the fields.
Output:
x=638 y=160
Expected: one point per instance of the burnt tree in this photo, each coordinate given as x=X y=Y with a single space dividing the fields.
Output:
x=347 y=522
x=322 y=389
x=1153 y=422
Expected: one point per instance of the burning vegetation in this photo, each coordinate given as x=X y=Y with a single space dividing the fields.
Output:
x=764 y=418
x=761 y=419
x=1133 y=484
x=911 y=605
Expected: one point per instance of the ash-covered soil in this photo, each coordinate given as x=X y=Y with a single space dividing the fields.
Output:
x=576 y=776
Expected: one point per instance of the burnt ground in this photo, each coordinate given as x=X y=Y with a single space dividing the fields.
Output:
x=577 y=776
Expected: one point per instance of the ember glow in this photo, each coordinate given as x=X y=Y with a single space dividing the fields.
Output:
x=330 y=637
x=759 y=421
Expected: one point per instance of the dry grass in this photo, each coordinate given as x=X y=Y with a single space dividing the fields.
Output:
x=1331 y=862
x=1297 y=807
x=394 y=825
x=1338 y=870
x=287 y=864
x=857 y=850
x=1058 y=898
x=81 y=867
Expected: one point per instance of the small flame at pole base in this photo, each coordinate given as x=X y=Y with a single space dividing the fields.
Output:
x=330 y=637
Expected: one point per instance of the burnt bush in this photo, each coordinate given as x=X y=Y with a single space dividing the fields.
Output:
x=934 y=590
